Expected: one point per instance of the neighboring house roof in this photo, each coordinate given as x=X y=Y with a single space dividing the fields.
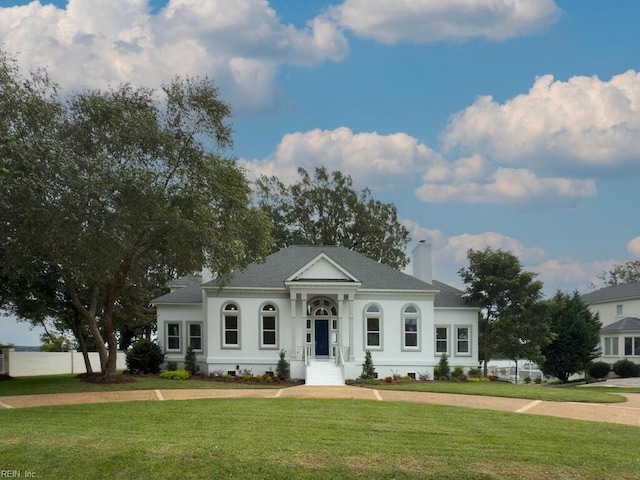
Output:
x=281 y=265
x=613 y=292
x=627 y=324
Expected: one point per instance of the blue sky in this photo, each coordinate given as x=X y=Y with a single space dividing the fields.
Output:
x=503 y=123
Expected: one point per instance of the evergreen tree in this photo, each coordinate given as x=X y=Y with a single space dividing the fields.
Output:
x=283 y=369
x=577 y=336
x=368 y=370
x=190 y=361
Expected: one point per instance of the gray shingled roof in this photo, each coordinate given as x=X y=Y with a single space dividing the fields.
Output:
x=284 y=263
x=627 y=324
x=188 y=290
x=614 y=292
x=449 y=297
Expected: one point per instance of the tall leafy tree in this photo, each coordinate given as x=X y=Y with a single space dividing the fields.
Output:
x=325 y=209
x=513 y=321
x=577 y=336
x=105 y=186
x=621 y=273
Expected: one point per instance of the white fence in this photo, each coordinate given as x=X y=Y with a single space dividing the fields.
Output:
x=506 y=369
x=27 y=364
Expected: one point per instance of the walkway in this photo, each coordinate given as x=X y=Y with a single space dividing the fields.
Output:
x=623 y=413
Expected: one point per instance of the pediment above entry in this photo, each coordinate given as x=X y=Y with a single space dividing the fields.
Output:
x=325 y=272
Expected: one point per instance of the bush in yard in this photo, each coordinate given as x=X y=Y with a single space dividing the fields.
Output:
x=190 y=361
x=172 y=366
x=144 y=357
x=368 y=371
x=283 y=369
x=474 y=372
x=599 y=369
x=626 y=368
x=457 y=372
x=443 y=368
x=175 y=375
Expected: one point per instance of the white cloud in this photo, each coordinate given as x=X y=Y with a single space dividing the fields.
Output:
x=449 y=254
x=395 y=160
x=428 y=21
x=468 y=180
x=570 y=275
x=94 y=43
x=374 y=160
x=585 y=121
x=458 y=246
x=633 y=247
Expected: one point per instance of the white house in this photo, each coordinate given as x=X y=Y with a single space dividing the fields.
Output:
x=325 y=306
x=619 y=309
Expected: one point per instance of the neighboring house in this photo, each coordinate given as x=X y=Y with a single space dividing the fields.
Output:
x=618 y=307
x=325 y=306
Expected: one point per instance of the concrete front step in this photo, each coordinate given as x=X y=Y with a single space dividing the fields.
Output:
x=323 y=373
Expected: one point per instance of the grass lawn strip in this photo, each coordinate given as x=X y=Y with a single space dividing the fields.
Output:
x=292 y=438
x=509 y=390
x=71 y=384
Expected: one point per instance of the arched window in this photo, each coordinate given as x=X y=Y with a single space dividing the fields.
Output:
x=269 y=326
x=231 y=326
x=373 y=327
x=410 y=328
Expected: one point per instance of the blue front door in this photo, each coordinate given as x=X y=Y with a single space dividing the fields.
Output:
x=322 y=337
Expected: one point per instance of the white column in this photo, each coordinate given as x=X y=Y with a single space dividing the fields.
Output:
x=341 y=329
x=352 y=356
x=294 y=328
x=303 y=320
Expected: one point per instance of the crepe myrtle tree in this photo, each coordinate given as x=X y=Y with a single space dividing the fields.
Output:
x=104 y=186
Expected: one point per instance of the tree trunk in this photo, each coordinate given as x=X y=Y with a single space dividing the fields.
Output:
x=77 y=322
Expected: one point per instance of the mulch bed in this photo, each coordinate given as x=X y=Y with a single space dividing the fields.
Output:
x=105 y=379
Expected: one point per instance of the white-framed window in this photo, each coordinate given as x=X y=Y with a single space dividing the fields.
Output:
x=269 y=326
x=442 y=340
x=410 y=328
x=231 y=326
x=611 y=346
x=463 y=340
x=309 y=331
x=373 y=327
x=174 y=343
x=632 y=346
x=619 y=310
x=195 y=335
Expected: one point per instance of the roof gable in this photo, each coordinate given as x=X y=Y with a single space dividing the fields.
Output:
x=322 y=268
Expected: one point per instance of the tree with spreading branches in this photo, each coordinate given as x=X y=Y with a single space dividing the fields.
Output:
x=323 y=208
x=103 y=187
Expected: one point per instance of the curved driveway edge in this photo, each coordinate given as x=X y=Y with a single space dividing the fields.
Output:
x=622 y=413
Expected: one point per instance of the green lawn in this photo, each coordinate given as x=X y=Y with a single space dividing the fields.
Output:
x=505 y=389
x=290 y=438
x=71 y=384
